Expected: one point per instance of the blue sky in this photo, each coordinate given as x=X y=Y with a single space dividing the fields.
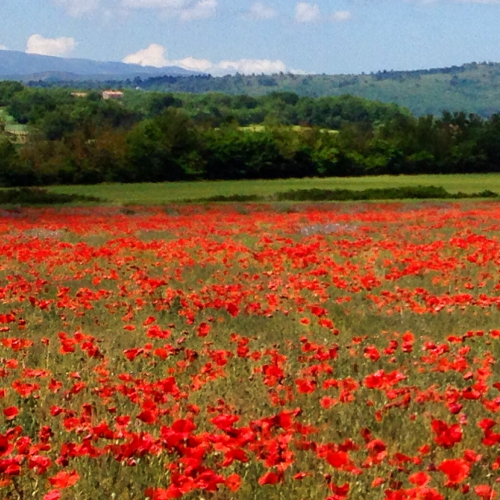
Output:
x=223 y=36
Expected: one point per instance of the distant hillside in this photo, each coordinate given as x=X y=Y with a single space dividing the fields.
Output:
x=27 y=67
x=473 y=88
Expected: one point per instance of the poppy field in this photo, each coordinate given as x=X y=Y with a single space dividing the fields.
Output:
x=337 y=351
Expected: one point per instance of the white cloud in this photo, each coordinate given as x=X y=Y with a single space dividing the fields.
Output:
x=78 y=7
x=249 y=66
x=155 y=4
x=186 y=10
x=200 y=10
x=156 y=55
x=242 y=66
x=37 y=44
x=3 y=47
x=259 y=10
x=310 y=13
x=307 y=12
x=202 y=65
x=341 y=15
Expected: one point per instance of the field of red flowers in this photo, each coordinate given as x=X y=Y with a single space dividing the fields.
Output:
x=329 y=352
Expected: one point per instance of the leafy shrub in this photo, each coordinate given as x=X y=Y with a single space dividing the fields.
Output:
x=37 y=196
x=230 y=199
x=400 y=193
x=316 y=194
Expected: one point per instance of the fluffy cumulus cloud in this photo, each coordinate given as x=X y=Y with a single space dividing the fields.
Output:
x=78 y=7
x=341 y=15
x=259 y=10
x=37 y=44
x=307 y=12
x=193 y=64
x=192 y=10
x=155 y=4
x=310 y=13
x=186 y=10
x=156 y=55
x=249 y=66
x=200 y=10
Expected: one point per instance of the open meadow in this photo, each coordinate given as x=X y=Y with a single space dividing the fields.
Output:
x=168 y=192
x=336 y=351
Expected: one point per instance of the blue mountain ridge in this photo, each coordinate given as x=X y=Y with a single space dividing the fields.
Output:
x=21 y=66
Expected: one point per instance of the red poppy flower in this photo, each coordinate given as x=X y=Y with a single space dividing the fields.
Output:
x=148 y=321
x=233 y=482
x=446 y=435
x=301 y=475
x=419 y=478
x=339 y=492
x=305 y=386
x=457 y=470
x=203 y=330
x=163 y=494
x=53 y=495
x=485 y=492
x=338 y=459
x=378 y=481
x=64 y=479
x=148 y=416
x=271 y=478
x=11 y=412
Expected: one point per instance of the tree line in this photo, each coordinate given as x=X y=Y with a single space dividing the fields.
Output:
x=472 y=88
x=152 y=136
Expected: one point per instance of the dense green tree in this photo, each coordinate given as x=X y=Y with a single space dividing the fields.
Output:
x=152 y=136
x=160 y=149
x=8 y=90
x=230 y=153
x=55 y=125
x=9 y=164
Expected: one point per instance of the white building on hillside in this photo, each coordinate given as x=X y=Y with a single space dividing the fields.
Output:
x=112 y=94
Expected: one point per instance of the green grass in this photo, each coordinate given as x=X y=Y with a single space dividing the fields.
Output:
x=5 y=117
x=294 y=128
x=38 y=196
x=151 y=194
x=10 y=123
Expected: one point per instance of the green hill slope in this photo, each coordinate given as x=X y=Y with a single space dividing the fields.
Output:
x=473 y=88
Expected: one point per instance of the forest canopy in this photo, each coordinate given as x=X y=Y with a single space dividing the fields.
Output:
x=471 y=88
x=79 y=138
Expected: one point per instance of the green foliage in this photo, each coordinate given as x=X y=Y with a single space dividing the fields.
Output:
x=8 y=90
x=12 y=171
x=317 y=194
x=399 y=193
x=161 y=149
x=37 y=196
x=228 y=199
x=155 y=137
x=235 y=154
x=473 y=88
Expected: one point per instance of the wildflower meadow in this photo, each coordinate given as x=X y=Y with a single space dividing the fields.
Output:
x=337 y=351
